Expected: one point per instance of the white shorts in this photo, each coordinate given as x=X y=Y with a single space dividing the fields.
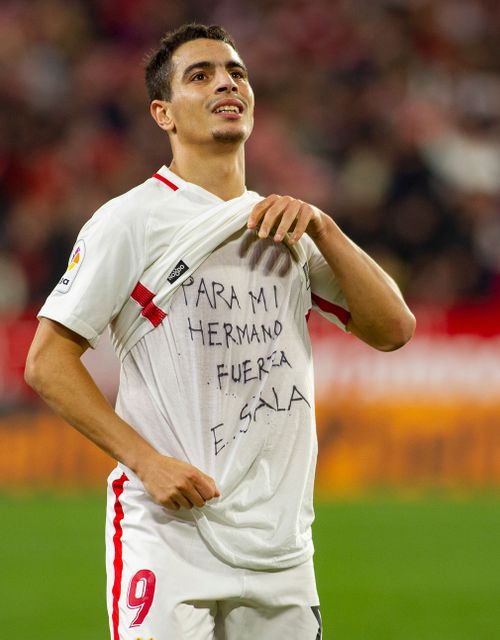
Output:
x=165 y=584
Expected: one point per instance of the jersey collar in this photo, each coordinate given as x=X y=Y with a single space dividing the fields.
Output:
x=178 y=182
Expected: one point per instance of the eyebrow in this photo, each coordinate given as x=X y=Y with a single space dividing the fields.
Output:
x=205 y=64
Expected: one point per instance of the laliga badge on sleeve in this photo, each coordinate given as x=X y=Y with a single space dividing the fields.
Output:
x=74 y=264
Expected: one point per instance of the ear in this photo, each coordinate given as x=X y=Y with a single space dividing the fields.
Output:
x=161 y=113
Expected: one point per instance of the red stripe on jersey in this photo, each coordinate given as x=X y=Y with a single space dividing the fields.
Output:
x=144 y=297
x=154 y=314
x=118 y=559
x=325 y=305
x=173 y=186
x=142 y=294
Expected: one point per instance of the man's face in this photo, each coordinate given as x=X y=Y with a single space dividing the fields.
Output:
x=211 y=98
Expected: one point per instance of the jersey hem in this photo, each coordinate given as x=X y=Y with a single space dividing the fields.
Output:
x=276 y=562
x=265 y=563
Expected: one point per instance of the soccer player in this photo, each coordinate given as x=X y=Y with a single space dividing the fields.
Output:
x=207 y=288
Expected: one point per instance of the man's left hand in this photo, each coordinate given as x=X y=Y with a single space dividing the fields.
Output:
x=279 y=215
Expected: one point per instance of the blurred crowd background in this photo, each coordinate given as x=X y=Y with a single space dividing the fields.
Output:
x=384 y=113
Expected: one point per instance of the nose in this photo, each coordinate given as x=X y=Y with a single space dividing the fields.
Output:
x=225 y=82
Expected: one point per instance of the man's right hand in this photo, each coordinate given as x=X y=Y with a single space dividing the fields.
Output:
x=174 y=483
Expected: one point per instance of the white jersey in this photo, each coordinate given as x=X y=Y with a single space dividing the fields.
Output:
x=224 y=379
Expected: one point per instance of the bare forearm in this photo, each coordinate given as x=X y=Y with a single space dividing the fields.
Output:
x=71 y=392
x=379 y=315
x=55 y=371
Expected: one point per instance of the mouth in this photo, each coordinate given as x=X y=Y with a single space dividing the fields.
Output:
x=229 y=109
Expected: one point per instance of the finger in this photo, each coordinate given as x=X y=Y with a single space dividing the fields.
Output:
x=289 y=217
x=182 y=500
x=171 y=504
x=259 y=210
x=271 y=215
x=194 y=497
x=206 y=487
x=303 y=219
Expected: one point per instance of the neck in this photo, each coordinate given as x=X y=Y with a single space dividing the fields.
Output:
x=221 y=173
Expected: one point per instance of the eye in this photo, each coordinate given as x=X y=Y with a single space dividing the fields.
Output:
x=200 y=75
x=237 y=74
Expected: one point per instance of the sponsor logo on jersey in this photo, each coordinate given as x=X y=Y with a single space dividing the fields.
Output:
x=74 y=264
x=180 y=268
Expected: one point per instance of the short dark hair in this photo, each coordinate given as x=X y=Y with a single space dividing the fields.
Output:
x=158 y=67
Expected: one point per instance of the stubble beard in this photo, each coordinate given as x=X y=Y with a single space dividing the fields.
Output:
x=228 y=137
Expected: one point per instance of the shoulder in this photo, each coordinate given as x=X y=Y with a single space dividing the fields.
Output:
x=131 y=210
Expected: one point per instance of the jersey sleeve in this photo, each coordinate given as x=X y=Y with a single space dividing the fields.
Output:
x=327 y=297
x=104 y=266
